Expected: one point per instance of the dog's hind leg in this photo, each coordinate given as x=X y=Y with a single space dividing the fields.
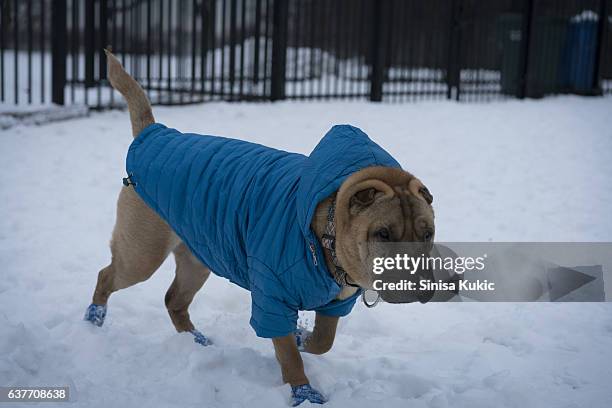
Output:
x=190 y=276
x=139 y=106
x=141 y=242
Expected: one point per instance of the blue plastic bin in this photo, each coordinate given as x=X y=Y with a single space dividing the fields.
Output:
x=578 y=67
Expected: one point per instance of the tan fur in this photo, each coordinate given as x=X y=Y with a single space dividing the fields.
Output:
x=406 y=213
x=141 y=240
x=139 y=106
x=320 y=342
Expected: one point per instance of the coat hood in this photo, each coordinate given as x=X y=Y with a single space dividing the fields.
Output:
x=344 y=150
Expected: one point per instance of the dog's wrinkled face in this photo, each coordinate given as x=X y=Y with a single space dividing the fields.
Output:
x=375 y=206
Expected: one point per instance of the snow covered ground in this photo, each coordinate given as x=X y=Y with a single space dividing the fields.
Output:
x=526 y=171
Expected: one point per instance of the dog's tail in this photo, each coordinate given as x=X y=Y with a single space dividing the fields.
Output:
x=139 y=106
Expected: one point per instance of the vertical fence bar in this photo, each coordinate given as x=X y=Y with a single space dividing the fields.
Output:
x=123 y=30
x=349 y=48
x=16 y=50
x=453 y=66
x=193 y=50
x=279 y=49
x=131 y=38
x=335 y=46
x=103 y=27
x=242 y=45
x=149 y=50
x=204 y=30
x=313 y=52
x=601 y=43
x=85 y=91
x=158 y=83
x=266 y=84
x=134 y=38
x=222 y=41
x=307 y=40
x=213 y=40
x=89 y=42
x=412 y=42
x=326 y=46
x=232 y=40
x=112 y=43
x=180 y=52
x=526 y=30
x=256 y=40
x=3 y=23
x=42 y=50
x=418 y=59
x=387 y=40
x=58 y=51
x=98 y=44
x=378 y=50
x=30 y=45
x=363 y=70
x=399 y=50
x=169 y=84
x=74 y=35
x=296 y=31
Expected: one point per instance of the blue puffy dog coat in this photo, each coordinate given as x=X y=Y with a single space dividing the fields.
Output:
x=244 y=210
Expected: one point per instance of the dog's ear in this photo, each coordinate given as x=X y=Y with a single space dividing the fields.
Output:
x=364 y=198
x=424 y=191
x=366 y=192
x=418 y=189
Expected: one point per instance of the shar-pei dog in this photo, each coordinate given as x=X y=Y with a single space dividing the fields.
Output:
x=298 y=232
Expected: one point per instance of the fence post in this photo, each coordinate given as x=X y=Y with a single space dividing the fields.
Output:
x=58 y=51
x=90 y=26
x=257 y=45
x=601 y=40
x=378 y=51
x=233 y=28
x=454 y=53
x=103 y=38
x=279 y=49
x=526 y=30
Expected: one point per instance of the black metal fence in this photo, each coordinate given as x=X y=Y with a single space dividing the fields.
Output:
x=393 y=50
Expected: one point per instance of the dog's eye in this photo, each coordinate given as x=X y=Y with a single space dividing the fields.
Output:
x=383 y=234
x=427 y=236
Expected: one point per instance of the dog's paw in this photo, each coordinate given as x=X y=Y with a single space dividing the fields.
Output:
x=95 y=314
x=305 y=392
x=301 y=336
x=200 y=338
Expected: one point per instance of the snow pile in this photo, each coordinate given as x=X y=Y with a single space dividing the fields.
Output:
x=585 y=15
x=533 y=170
x=39 y=115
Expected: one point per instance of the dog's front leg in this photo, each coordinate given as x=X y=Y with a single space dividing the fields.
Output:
x=321 y=339
x=290 y=360
x=292 y=368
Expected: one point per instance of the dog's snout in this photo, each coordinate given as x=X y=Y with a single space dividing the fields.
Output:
x=426 y=296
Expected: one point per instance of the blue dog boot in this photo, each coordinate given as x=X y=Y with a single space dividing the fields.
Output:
x=200 y=338
x=96 y=314
x=305 y=392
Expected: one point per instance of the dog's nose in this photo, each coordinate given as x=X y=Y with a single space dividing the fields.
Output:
x=426 y=295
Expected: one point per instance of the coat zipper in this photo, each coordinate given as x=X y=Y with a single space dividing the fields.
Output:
x=313 y=252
